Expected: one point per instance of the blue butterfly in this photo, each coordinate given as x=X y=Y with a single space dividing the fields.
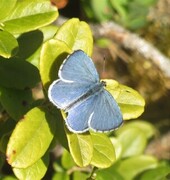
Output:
x=80 y=93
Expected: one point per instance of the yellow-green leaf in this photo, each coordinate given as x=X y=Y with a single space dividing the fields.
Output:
x=81 y=148
x=130 y=101
x=77 y=35
x=103 y=153
x=30 y=138
x=36 y=171
x=52 y=55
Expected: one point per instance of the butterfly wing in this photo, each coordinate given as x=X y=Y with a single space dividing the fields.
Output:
x=79 y=68
x=99 y=112
x=62 y=94
x=106 y=114
x=77 y=75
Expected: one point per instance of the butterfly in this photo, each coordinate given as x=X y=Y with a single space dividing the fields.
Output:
x=81 y=94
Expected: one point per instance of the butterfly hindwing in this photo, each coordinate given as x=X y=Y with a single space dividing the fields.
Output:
x=106 y=113
x=99 y=112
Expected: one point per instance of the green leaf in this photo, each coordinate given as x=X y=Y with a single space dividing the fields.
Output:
x=133 y=142
x=49 y=32
x=30 y=138
x=18 y=74
x=103 y=153
x=16 y=102
x=60 y=134
x=6 y=126
x=8 y=44
x=52 y=55
x=102 y=11
x=30 y=15
x=61 y=176
x=80 y=175
x=131 y=167
x=81 y=148
x=6 y=7
x=147 y=128
x=130 y=101
x=159 y=173
x=36 y=171
x=29 y=42
x=9 y=178
x=109 y=174
x=67 y=160
x=77 y=35
x=117 y=146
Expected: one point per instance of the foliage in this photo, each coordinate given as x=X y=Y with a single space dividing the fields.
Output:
x=31 y=52
x=130 y=13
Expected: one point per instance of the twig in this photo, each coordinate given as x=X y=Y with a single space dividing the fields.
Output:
x=134 y=42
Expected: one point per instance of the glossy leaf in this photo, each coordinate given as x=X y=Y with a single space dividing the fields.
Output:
x=103 y=153
x=30 y=138
x=133 y=142
x=144 y=126
x=81 y=148
x=16 y=102
x=77 y=35
x=131 y=167
x=18 y=74
x=30 y=15
x=130 y=101
x=8 y=44
x=6 y=7
x=36 y=171
x=52 y=55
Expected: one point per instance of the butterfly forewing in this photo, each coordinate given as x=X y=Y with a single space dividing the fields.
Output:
x=78 y=67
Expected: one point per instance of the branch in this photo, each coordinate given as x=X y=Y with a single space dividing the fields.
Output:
x=134 y=42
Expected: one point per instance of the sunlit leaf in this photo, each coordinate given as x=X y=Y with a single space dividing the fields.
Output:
x=103 y=153
x=8 y=44
x=81 y=148
x=130 y=101
x=79 y=35
x=30 y=138
x=117 y=146
x=52 y=55
x=30 y=15
x=6 y=7
x=36 y=171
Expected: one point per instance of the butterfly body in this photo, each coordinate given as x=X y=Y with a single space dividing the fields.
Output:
x=80 y=93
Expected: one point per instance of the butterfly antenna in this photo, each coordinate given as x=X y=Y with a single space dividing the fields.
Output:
x=104 y=65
